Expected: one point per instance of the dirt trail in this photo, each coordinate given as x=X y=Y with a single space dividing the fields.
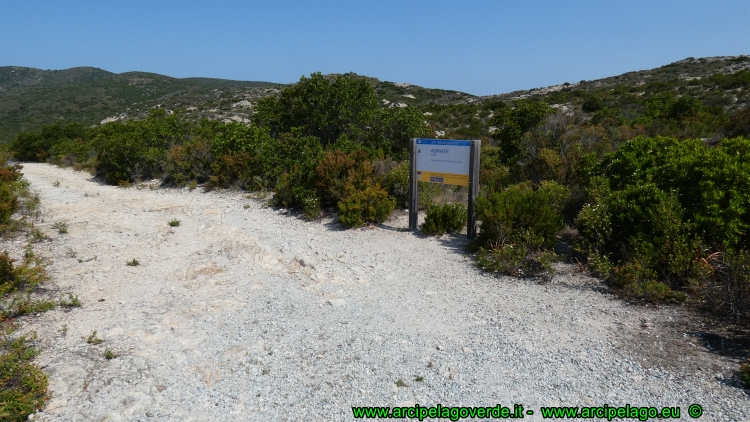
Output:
x=248 y=313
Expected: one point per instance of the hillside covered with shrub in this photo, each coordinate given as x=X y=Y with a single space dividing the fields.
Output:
x=649 y=182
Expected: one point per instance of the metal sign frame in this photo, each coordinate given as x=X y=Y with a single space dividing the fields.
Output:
x=475 y=148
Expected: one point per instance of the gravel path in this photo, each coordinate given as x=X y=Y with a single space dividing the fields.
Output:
x=246 y=313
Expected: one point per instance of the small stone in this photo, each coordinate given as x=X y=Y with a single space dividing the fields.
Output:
x=336 y=302
x=306 y=261
x=468 y=351
x=452 y=373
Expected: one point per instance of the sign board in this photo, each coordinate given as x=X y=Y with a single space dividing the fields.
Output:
x=448 y=162
x=443 y=161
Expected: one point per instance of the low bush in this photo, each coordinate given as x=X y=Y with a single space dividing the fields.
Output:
x=518 y=228
x=446 y=218
x=295 y=188
x=8 y=279
x=189 y=162
x=8 y=203
x=230 y=170
x=521 y=211
x=517 y=260
x=665 y=219
x=10 y=174
x=337 y=172
x=726 y=282
x=371 y=205
x=23 y=385
x=744 y=374
x=396 y=182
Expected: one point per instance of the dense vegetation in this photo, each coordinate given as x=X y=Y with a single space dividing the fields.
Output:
x=648 y=178
x=23 y=385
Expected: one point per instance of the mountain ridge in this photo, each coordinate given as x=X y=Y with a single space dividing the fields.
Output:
x=31 y=98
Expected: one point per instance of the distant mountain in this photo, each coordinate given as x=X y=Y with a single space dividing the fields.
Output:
x=690 y=69
x=30 y=98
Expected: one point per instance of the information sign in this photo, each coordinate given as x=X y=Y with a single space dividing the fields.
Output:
x=443 y=161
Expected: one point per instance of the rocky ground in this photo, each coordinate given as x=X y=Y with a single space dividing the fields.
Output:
x=244 y=312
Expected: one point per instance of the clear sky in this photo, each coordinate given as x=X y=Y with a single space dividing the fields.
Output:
x=479 y=47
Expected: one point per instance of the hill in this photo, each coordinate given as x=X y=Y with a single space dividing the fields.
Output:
x=717 y=85
x=31 y=98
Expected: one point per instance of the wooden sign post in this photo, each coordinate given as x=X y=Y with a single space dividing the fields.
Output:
x=446 y=162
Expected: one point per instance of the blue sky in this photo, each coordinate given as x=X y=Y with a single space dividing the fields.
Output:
x=480 y=47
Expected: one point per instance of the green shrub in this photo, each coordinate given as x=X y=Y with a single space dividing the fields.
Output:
x=744 y=374
x=444 y=218
x=189 y=162
x=294 y=161
x=370 y=205
x=521 y=211
x=23 y=386
x=230 y=170
x=428 y=193
x=8 y=279
x=712 y=184
x=336 y=172
x=517 y=260
x=518 y=228
x=137 y=150
x=71 y=151
x=10 y=174
x=8 y=203
x=295 y=188
x=659 y=210
x=396 y=182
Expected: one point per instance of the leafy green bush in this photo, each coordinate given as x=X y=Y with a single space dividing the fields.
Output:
x=8 y=279
x=744 y=374
x=188 y=162
x=30 y=146
x=713 y=184
x=518 y=208
x=371 y=205
x=71 y=151
x=518 y=228
x=662 y=206
x=10 y=174
x=23 y=386
x=231 y=170
x=444 y=218
x=8 y=203
x=337 y=173
x=396 y=182
x=137 y=150
x=321 y=107
x=517 y=260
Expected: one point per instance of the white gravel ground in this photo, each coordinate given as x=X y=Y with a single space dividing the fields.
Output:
x=244 y=312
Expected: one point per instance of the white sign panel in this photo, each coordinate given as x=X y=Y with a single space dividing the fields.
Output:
x=443 y=161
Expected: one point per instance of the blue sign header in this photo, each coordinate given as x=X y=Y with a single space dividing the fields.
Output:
x=443 y=142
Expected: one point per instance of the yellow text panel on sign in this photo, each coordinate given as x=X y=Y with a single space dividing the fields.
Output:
x=443 y=178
